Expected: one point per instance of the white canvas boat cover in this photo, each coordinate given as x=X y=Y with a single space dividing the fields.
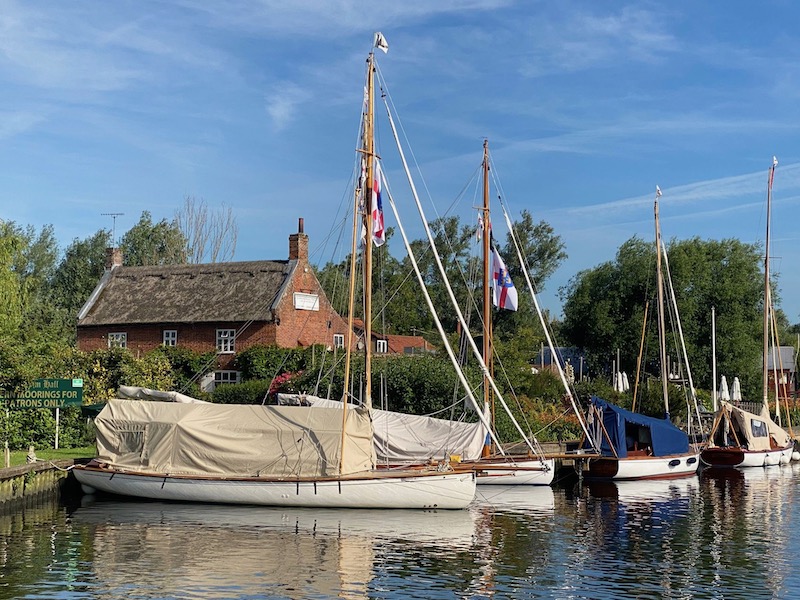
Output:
x=140 y=393
x=757 y=429
x=232 y=439
x=402 y=438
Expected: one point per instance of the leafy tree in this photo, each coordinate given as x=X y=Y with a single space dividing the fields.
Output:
x=543 y=252
x=79 y=272
x=148 y=243
x=604 y=307
x=11 y=290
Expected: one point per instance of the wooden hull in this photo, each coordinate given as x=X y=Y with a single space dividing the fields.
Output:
x=407 y=489
x=734 y=456
x=643 y=467
x=502 y=471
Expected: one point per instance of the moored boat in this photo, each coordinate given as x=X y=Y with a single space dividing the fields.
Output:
x=738 y=437
x=635 y=446
x=271 y=455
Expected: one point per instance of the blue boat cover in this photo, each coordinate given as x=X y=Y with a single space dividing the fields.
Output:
x=665 y=438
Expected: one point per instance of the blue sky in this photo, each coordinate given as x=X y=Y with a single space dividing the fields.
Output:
x=588 y=105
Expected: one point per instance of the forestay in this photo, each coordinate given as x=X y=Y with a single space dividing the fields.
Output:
x=232 y=440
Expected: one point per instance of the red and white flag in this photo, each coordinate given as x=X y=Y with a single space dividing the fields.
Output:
x=505 y=294
x=378 y=231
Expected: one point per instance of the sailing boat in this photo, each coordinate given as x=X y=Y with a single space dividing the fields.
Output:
x=268 y=455
x=635 y=446
x=740 y=438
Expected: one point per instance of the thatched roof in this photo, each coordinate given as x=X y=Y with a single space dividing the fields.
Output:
x=235 y=291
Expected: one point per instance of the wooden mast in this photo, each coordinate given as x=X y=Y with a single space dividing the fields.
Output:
x=365 y=195
x=369 y=157
x=767 y=300
x=488 y=397
x=662 y=335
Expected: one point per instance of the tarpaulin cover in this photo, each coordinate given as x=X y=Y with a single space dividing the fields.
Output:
x=757 y=429
x=232 y=439
x=400 y=437
x=666 y=439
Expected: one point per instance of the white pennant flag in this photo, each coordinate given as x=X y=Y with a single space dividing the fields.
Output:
x=380 y=42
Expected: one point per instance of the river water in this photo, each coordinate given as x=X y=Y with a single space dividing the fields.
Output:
x=725 y=535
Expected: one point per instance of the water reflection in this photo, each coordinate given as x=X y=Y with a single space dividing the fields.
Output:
x=750 y=518
x=219 y=551
x=726 y=534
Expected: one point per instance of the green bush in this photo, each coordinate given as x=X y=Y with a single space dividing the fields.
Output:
x=248 y=392
x=187 y=367
x=267 y=362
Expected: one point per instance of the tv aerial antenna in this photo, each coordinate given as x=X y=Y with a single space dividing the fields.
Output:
x=114 y=227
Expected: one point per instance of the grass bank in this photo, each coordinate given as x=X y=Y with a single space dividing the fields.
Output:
x=19 y=457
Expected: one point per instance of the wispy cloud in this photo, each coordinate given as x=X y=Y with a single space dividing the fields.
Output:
x=283 y=102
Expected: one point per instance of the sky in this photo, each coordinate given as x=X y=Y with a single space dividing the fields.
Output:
x=124 y=107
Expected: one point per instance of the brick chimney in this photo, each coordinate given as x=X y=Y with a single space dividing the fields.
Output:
x=113 y=258
x=298 y=244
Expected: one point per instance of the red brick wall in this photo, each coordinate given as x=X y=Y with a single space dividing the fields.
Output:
x=306 y=327
x=295 y=328
x=200 y=337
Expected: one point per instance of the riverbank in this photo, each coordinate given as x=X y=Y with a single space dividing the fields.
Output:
x=22 y=482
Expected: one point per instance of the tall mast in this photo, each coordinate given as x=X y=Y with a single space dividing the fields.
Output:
x=488 y=398
x=369 y=157
x=662 y=332
x=767 y=299
x=363 y=197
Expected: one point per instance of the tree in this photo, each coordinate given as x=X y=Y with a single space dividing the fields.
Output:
x=11 y=242
x=604 y=307
x=211 y=236
x=399 y=305
x=162 y=243
x=541 y=248
x=543 y=252
x=79 y=271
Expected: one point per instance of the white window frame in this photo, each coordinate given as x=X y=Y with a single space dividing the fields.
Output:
x=226 y=341
x=226 y=377
x=118 y=339
x=169 y=337
x=338 y=340
x=381 y=346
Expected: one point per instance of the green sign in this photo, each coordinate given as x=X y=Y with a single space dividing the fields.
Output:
x=48 y=393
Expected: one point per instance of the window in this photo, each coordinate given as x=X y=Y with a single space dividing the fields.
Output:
x=338 y=340
x=382 y=346
x=759 y=428
x=117 y=340
x=226 y=341
x=221 y=377
x=170 y=337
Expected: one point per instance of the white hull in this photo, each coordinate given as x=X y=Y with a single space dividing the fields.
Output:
x=412 y=490
x=644 y=467
x=516 y=472
x=740 y=458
